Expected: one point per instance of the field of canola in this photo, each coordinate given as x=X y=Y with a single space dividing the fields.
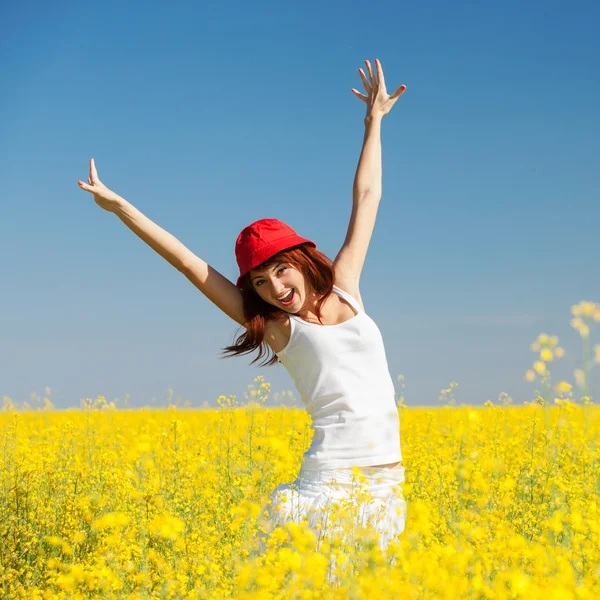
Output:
x=503 y=502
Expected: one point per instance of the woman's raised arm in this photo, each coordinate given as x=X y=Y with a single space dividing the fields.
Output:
x=217 y=288
x=366 y=192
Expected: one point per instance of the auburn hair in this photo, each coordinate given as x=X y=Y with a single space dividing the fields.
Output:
x=318 y=272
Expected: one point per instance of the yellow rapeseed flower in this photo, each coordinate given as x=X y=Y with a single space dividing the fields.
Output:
x=539 y=366
x=555 y=523
x=66 y=582
x=579 y=375
x=576 y=323
x=166 y=526
x=79 y=536
x=530 y=375
x=588 y=309
x=546 y=355
x=53 y=540
x=473 y=415
x=563 y=386
x=110 y=520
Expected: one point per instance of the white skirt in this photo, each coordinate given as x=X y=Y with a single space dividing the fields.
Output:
x=377 y=503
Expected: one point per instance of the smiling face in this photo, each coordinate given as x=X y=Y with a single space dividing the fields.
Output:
x=277 y=280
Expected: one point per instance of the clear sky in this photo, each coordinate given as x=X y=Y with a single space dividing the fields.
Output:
x=207 y=117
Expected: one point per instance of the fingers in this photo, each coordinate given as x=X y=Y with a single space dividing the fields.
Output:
x=93 y=180
x=371 y=76
x=380 y=78
x=376 y=89
x=398 y=93
x=93 y=172
x=85 y=186
x=361 y=96
x=364 y=80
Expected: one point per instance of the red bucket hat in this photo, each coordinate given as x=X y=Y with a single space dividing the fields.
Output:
x=262 y=240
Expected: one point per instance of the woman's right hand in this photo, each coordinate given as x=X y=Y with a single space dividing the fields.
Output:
x=104 y=197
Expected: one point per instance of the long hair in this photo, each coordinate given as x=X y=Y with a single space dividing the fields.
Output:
x=317 y=270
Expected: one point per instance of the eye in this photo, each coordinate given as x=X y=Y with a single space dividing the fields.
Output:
x=261 y=281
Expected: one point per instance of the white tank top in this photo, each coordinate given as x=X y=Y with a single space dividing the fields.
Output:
x=342 y=375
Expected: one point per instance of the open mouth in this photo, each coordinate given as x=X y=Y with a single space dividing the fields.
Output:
x=287 y=300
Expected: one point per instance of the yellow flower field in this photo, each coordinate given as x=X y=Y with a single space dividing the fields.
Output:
x=503 y=501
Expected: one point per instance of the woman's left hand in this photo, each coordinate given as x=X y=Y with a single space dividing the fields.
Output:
x=377 y=99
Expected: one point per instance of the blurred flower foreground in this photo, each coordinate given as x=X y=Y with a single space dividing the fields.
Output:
x=503 y=501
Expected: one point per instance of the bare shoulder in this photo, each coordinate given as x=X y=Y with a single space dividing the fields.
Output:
x=350 y=288
x=277 y=333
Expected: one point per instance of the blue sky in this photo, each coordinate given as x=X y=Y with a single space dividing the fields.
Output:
x=207 y=118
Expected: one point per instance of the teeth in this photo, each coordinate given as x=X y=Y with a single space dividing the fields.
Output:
x=284 y=295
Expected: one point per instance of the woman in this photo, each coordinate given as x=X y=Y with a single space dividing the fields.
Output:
x=333 y=351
